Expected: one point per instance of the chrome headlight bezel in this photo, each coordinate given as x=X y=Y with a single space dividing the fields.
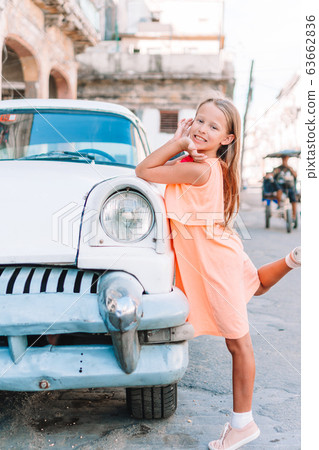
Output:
x=125 y=192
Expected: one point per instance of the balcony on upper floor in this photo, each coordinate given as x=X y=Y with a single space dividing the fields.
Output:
x=78 y=19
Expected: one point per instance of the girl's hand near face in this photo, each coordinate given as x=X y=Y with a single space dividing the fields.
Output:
x=183 y=128
x=192 y=151
x=182 y=133
x=158 y=168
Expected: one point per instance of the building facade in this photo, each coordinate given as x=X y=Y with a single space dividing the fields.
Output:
x=159 y=59
x=39 y=41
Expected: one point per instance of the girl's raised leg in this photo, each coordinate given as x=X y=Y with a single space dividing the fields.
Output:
x=271 y=273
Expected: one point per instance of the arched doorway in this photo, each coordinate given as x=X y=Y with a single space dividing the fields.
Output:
x=58 y=85
x=19 y=70
x=13 y=85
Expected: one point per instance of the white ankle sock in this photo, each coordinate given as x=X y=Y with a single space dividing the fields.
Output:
x=293 y=260
x=239 y=420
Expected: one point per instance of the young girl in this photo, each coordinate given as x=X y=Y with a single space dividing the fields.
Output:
x=212 y=269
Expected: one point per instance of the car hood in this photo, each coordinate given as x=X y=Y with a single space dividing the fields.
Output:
x=41 y=203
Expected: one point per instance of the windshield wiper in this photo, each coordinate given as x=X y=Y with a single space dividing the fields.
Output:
x=62 y=155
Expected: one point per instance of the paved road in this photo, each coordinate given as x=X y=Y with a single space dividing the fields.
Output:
x=97 y=419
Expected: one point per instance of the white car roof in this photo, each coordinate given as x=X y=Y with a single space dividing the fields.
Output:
x=52 y=103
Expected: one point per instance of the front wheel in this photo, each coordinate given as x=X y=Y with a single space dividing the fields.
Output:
x=296 y=221
x=288 y=220
x=267 y=215
x=158 y=402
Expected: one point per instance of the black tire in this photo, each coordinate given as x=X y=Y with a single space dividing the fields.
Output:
x=152 y=402
x=288 y=220
x=267 y=215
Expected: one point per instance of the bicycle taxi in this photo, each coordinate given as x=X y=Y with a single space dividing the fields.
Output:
x=288 y=187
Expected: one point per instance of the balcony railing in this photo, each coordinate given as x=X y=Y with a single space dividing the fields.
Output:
x=78 y=19
x=91 y=13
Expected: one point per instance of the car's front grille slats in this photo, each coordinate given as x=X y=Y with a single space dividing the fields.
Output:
x=26 y=288
x=36 y=280
x=94 y=283
x=12 y=280
x=53 y=279
x=21 y=279
x=86 y=282
x=44 y=280
x=78 y=280
x=5 y=278
x=60 y=287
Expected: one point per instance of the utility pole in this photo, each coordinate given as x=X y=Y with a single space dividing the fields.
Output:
x=249 y=97
x=116 y=32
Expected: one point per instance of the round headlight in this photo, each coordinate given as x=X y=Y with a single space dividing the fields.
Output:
x=127 y=216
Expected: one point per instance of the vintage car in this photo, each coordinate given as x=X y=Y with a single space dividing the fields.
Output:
x=86 y=261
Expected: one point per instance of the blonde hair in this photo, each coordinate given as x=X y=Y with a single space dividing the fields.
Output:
x=229 y=156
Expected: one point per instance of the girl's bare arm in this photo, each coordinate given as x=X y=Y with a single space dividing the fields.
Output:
x=174 y=161
x=154 y=167
x=157 y=167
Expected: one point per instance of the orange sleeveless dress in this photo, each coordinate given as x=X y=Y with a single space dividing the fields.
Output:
x=212 y=269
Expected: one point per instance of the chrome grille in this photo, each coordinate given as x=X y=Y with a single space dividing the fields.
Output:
x=35 y=280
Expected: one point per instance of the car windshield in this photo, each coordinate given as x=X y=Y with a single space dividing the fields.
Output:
x=79 y=136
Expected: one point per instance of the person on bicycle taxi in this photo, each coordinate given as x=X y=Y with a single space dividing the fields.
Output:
x=282 y=179
x=285 y=177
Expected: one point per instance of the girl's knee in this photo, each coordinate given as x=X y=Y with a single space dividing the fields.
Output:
x=241 y=345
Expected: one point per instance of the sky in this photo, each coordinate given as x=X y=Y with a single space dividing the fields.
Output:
x=268 y=31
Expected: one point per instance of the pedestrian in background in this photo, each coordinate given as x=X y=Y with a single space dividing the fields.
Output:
x=212 y=269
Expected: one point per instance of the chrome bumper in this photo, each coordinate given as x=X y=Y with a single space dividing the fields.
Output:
x=77 y=367
x=134 y=320
x=120 y=303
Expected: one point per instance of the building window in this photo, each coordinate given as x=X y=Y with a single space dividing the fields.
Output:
x=169 y=120
x=155 y=16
